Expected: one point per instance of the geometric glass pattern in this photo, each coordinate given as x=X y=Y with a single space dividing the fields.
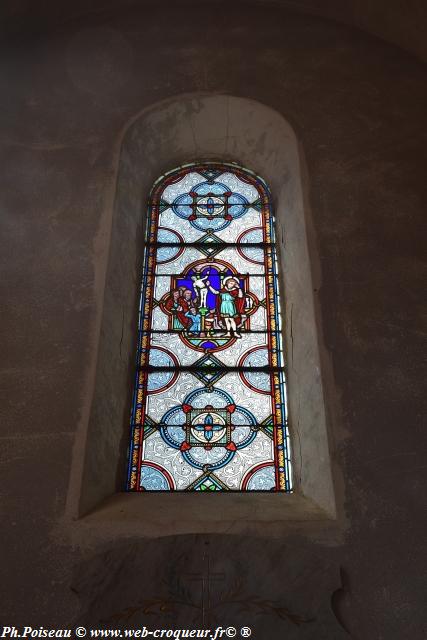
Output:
x=209 y=404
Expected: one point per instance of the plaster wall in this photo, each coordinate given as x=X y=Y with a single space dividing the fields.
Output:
x=402 y=23
x=357 y=107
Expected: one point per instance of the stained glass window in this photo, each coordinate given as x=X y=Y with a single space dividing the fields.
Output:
x=209 y=406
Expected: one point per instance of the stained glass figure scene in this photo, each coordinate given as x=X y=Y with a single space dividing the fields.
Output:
x=209 y=407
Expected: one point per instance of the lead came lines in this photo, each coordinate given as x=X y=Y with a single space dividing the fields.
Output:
x=219 y=425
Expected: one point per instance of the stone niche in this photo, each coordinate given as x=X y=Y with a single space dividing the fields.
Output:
x=187 y=129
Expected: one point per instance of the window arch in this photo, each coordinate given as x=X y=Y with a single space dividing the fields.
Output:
x=209 y=406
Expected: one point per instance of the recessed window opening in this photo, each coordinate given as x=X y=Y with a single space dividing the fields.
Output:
x=209 y=408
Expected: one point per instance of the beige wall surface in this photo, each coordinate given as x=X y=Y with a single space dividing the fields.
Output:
x=357 y=107
x=403 y=23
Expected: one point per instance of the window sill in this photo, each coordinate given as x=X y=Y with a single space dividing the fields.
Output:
x=153 y=515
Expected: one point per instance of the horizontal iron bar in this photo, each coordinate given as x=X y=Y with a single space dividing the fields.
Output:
x=179 y=331
x=222 y=205
x=159 y=425
x=223 y=245
x=226 y=275
x=209 y=369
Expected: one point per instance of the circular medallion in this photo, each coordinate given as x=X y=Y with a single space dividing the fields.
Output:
x=155 y=478
x=210 y=206
x=208 y=428
x=259 y=381
x=252 y=254
x=260 y=478
x=160 y=380
x=167 y=254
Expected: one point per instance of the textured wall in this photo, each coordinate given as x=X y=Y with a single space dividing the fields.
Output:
x=403 y=22
x=358 y=108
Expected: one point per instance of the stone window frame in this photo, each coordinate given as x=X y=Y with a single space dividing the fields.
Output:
x=178 y=131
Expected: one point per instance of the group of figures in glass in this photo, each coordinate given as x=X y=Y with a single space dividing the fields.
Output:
x=209 y=305
x=191 y=311
x=209 y=408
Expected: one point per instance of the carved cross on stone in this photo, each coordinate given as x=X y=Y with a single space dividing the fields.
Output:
x=206 y=577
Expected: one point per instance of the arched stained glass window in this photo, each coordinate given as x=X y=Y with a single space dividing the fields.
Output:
x=209 y=407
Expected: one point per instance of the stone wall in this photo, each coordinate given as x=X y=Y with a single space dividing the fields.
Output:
x=358 y=108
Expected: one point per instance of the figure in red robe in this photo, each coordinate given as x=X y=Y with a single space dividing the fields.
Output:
x=178 y=306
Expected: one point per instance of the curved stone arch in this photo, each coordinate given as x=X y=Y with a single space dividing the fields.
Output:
x=187 y=129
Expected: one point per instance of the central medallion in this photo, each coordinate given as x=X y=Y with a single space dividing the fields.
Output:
x=210 y=205
x=209 y=305
x=208 y=427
